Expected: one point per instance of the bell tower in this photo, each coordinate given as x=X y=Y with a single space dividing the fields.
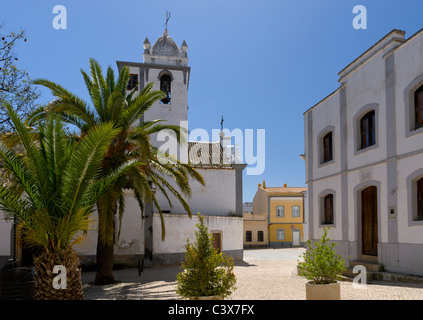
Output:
x=166 y=66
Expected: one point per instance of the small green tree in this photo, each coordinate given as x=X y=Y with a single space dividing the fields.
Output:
x=206 y=272
x=321 y=265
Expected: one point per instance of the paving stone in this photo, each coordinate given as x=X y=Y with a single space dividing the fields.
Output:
x=265 y=274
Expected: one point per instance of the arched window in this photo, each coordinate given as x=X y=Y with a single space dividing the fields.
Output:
x=418 y=107
x=327 y=147
x=368 y=130
x=165 y=81
x=328 y=209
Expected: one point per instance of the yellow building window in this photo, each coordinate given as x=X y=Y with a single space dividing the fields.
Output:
x=280 y=234
x=295 y=211
x=280 y=211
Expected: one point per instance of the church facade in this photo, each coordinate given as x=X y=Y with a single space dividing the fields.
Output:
x=364 y=157
x=219 y=201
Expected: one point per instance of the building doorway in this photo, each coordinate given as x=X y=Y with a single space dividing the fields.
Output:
x=369 y=223
x=296 y=238
x=217 y=236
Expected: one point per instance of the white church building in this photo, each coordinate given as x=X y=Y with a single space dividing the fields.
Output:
x=364 y=157
x=219 y=201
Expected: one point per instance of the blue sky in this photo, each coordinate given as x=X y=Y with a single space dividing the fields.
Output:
x=260 y=64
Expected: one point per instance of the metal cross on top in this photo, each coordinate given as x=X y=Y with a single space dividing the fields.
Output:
x=221 y=124
x=167 y=18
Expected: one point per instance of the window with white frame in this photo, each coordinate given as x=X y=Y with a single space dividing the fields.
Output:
x=280 y=234
x=295 y=211
x=280 y=211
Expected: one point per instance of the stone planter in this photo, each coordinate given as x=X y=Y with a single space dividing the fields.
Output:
x=323 y=291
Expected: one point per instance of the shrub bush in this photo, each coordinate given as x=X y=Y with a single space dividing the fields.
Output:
x=206 y=272
x=321 y=265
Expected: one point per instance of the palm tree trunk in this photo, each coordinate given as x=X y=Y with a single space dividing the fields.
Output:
x=105 y=261
x=44 y=265
x=105 y=241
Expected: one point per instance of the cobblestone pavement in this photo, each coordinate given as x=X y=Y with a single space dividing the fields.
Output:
x=265 y=274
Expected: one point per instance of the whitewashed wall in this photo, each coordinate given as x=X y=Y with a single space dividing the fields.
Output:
x=5 y=236
x=400 y=240
x=328 y=117
x=180 y=227
x=217 y=197
x=131 y=240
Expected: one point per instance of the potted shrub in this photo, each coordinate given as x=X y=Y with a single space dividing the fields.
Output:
x=322 y=266
x=207 y=274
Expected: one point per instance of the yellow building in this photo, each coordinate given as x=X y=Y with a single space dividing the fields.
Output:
x=255 y=230
x=284 y=208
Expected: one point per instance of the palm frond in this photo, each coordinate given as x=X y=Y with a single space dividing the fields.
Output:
x=99 y=89
x=114 y=105
x=140 y=104
x=181 y=200
x=122 y=81
x=13 y=204
x=67 y=102
x=36 y=115
x=85 y=162
x=55 y=146
x=110 y=79
x=35 y=163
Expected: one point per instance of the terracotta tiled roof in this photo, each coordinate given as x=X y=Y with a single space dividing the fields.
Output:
x=284 y=190
x=207 y=154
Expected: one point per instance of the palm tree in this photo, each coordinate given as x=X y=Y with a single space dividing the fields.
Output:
x=111 y=103
x=60 y=182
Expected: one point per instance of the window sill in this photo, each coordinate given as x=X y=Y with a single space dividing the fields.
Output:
x=364 y=150
x=414 y=132
x=327 y=225
x=414 y=223
x=327 y=163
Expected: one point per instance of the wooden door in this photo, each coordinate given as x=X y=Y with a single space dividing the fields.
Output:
x=369 y=233
x=217 y=241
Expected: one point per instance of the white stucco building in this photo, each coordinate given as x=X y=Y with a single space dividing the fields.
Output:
x=220 y=200
x=364 y=157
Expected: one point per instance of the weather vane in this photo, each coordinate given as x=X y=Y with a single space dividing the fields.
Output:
x=221 y=124
x=167 y=18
